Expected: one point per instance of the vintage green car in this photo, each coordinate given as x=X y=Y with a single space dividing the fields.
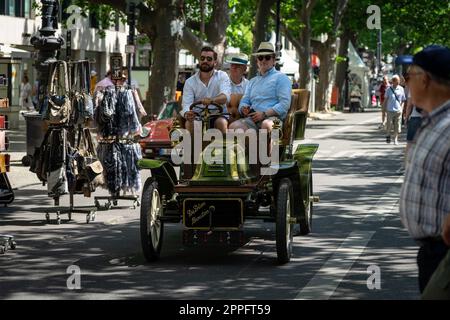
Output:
x=213 y=200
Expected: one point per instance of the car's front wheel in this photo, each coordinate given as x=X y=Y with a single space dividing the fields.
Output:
x=284 y=228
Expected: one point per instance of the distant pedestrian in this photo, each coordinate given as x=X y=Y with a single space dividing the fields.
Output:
x=394 y=103
x=26 y=102
x=105 y=82
x=381 y=92
x=355 y=99
x=425 y=194
x=413 y=117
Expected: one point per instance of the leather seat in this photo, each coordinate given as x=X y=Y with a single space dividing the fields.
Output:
x=299 y=107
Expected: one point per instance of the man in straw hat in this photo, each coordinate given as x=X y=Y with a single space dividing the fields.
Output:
x=238 y=67
x=267 y=96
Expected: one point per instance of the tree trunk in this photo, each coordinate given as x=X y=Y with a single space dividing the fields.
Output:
x=322 y=89
x=260 y=29
x=166 y=46
x=305 y=49
x=327 y=56
x=215 y=32
x=342 y=66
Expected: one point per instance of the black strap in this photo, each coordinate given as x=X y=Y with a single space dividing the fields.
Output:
x=396 y=98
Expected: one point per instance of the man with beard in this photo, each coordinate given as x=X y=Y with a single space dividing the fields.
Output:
x=208 y=86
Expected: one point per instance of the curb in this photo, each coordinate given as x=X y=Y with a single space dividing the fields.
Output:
x=323 y=115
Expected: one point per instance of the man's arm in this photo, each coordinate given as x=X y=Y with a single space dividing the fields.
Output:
x=188 y=98
x=245 y=100
x=284 y=98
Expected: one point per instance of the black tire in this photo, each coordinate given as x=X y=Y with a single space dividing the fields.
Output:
x=283 y=228
x=152 y=228
x=306 y=222
x=26 y=161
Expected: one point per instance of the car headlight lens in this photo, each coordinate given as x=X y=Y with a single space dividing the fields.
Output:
x=175 y=136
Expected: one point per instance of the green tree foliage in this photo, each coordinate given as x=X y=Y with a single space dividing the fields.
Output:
x=239 y=32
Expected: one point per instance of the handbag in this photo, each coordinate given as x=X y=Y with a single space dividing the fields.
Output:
x=3 y=122
x=4 y=143
x=89 y=167
x=4 y=103
x=4 y=163
x=82 y=104
x=59 y=105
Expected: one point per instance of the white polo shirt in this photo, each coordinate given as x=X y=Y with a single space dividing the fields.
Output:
x=239 y=88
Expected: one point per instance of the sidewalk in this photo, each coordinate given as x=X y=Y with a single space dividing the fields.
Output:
x=323 y=115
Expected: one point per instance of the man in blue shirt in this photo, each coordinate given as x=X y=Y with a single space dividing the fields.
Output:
x=267 y=96
x=394 y=102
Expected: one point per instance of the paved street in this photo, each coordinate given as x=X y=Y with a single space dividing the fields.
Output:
x=355 y=226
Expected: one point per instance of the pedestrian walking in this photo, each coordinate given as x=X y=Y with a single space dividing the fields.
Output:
x=425 y=193
x=26 y=103
x=413 y=117
x=381 y=92
x=394 y=103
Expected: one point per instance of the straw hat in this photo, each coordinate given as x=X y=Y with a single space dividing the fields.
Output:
x=264 y=48
x=239 y=58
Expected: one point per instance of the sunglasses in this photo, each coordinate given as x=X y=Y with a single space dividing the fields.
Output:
x=203 y=58
x=409 y=74
x=261 y=58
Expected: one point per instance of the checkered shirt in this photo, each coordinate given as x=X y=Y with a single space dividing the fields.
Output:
x=425 y=194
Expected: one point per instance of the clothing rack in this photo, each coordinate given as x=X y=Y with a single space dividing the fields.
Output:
x=89 y=211
x=71 y=133
x=112 y=199
x=7 y=194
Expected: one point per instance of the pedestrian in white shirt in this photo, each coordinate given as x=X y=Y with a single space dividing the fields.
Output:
x=25 y=95
x=208 y=86
x=394 y=103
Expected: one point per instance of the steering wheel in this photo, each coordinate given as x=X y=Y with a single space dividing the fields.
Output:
x=210 y=107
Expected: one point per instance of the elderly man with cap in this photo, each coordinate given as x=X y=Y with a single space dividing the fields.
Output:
x=238 y=67
x=393 y=104
x=425 y=194
x=267 y=96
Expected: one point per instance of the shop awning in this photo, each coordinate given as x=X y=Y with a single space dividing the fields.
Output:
x=11 y=52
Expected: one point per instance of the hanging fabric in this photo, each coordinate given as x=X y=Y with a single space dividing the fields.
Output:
x=57 y=184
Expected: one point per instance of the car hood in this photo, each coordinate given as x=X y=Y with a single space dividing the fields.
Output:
x=158 y=130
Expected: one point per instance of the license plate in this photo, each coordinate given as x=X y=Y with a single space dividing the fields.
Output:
x=207 y=213
x=148 y=151
x=165 y=152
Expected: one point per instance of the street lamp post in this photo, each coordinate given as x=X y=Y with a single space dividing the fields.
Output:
x=277 y=37
x=131 y=36
x=47 y=44
x=379 y=52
